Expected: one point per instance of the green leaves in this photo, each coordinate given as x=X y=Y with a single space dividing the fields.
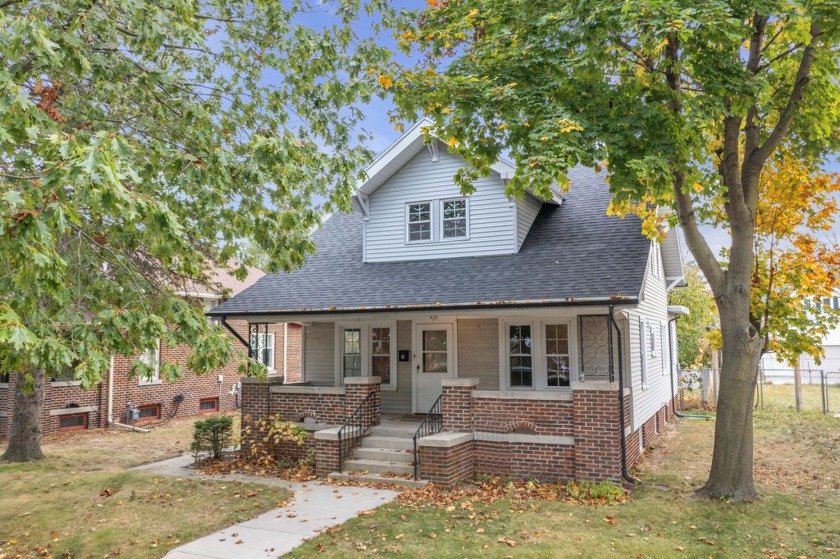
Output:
x=141 y=145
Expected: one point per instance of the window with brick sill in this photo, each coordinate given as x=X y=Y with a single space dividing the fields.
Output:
x=208 y=405
x=4 y=378
x=74 y=422
x=149 y=412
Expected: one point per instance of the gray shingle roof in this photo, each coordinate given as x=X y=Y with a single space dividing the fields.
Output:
x=573 y=252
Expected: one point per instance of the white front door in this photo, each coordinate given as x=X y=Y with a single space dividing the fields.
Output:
x=433 y=362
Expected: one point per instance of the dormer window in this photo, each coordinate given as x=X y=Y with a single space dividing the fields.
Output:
x=419 y=221
x=454 y=214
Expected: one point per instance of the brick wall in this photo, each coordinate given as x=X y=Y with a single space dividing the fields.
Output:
x=447 y=466
x=543 y=417
x=193 y=388
x=544 y=462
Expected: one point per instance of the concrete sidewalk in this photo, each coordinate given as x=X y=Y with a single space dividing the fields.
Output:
x=315 y=507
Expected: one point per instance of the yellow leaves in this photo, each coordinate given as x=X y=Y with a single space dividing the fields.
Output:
x=567 y=126
x=452 y=142
x=385 y=81
x=697 y=187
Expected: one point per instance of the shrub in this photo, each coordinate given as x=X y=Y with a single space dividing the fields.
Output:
x=212 y=435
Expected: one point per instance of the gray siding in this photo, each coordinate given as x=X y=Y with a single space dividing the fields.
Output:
x=647 y=399
x=478 y=351
x=491 y=226
x=319 y=353
x=398 y=401
x=526 y=212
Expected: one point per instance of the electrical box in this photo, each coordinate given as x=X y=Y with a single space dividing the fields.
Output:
x=221 y=379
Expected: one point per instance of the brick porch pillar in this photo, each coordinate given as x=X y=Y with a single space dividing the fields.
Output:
x=356 y=389
x=255 y=404
x=456 y=404
x=597 y=432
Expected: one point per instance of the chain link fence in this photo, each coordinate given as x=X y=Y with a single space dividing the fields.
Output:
x=818 y=390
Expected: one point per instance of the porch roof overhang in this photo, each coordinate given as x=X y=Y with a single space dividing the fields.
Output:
x=262 y=314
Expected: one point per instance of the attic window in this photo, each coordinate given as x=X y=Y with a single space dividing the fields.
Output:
x=454 y=218
x=419 y=221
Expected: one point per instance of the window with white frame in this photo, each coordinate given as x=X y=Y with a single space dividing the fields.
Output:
x=380 y=353
x=351 y=355
x=151 y=358
x=262 y=346
x=557 y=355
x=652 y=339
x=520 y=356
x=535 y=355
x=419 y=226
x=454 y=218
x=368 y=349
x=666 y=348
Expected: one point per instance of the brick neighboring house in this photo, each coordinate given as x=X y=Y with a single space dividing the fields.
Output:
x=523 y=337
x=67 y=407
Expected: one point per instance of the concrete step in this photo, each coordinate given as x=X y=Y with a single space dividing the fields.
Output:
x=374 y=441
x=390 y=430
x=374 y=478
x=377 y=466
x=385 y=454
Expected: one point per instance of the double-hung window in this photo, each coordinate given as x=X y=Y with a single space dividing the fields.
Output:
x=557 y=355
x=454 y=216
x=419 y=221
x=151 y=358
x=352 y=352
x=262 y=346
x=368 y=350
x=520 y=356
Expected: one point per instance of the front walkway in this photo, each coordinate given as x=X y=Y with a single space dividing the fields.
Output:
x=314 y=508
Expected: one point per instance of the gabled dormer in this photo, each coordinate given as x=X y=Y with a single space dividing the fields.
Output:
x=413 y=210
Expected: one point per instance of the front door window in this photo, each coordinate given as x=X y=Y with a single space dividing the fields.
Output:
x=434 y=351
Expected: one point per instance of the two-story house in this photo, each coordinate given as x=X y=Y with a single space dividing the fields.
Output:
x=489 y=317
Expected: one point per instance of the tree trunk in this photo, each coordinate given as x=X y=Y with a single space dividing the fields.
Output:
x=731 y=475
x=25 y=436
x=797 y=386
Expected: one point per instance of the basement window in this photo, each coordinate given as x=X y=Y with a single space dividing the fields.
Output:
x=149 y=412
x=208 y=405
x=74 y=422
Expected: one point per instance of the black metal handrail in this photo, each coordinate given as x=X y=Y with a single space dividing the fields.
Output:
x=356 y=427
x=431 y=425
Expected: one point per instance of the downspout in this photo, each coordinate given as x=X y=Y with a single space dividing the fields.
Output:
x=673 y=394
x=625 y=474
x=111 y=403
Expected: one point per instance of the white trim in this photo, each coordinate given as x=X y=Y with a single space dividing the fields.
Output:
x=364 y=326
x=442 y=218
x=431 y=204
x=273 y=360
x=539 y=372
x=549 y=395
x=146 y=356
x=416 y=344
x=643 y=349
x=73 y=411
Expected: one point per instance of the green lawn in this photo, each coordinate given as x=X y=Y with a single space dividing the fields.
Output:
x=81 y=502
x=797 y=468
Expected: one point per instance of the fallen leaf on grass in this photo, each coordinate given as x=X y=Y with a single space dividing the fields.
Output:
x=507 y=541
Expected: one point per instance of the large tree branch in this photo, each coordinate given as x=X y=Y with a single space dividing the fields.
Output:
x=700 y=249
x=759 y=156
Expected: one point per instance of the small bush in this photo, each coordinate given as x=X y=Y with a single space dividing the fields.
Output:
x=212 y=435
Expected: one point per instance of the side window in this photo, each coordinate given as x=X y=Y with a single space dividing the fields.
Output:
x=455 y=219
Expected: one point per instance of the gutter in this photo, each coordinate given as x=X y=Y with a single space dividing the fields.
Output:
x=569 y=302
